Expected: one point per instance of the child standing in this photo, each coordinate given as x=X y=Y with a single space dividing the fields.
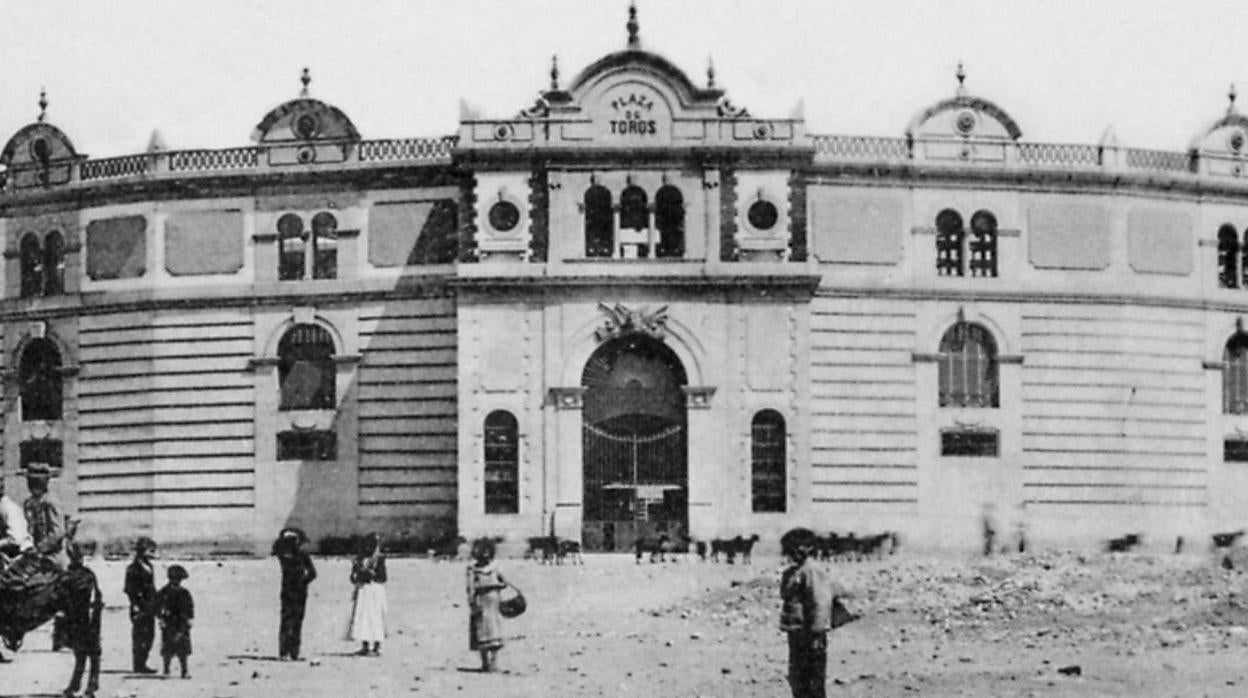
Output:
x=297 y=573
x=175 y=609
x=806 y=614
x=485 y=621
x=368 y=614
x=80 y=629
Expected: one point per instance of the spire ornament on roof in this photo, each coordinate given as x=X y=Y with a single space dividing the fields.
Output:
x=710 y=73
x=961 y=76
x=554 y=73
x=43 y=103
x=1230 y=96
x=305 y=78
x=634 y=41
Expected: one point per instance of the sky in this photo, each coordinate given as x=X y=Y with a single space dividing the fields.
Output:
x=204 y=72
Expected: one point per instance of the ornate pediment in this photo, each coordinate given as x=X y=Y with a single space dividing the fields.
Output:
x=621 y=320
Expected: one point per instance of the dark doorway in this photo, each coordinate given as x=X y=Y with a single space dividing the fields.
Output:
x=635 y=444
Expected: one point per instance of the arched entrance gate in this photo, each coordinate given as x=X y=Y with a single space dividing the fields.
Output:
x=635 y=438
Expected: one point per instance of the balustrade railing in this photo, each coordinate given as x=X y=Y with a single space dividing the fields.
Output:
x=108 y=168
x=200 y=160
x=1161 y=160
x=1065 y=154
x=407 y=149
x=862 y=147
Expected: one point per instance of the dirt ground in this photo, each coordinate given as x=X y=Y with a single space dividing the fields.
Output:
x=1133 y=625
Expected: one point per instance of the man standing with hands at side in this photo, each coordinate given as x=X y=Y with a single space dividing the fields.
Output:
x=141 y=590
x=807 y=596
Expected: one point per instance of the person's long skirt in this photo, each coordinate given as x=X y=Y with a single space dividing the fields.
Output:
x=368 y=617
x=485 y=623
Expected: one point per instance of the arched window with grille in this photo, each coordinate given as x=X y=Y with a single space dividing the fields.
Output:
x=767 y=462
x=53 y=264
x=305 y=369
x=32 y=266
x=983 y=245
x=634 y=214
x=669 y=218
x=291 y=242
x=39 y=371
x=949 y=239
x=324 y=246
x=968 y=367
x=1235 y=375
x=502 y=463
x=599 y=222
x=1228 y=257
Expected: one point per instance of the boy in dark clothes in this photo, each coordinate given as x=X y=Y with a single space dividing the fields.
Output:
x=175 y=609
x=141 y=590
x=806 y=615
x=81 y=625
x=297 y=573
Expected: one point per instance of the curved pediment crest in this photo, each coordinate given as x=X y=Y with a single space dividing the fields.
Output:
x=964 y=116
x=305 y=119
x=35 y=145
x=1226 y=136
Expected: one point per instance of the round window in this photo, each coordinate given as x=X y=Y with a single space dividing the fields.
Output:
x=504 y=216
x=306 y=126
x=1236 y=141
x=965 y=122
x=41 y=149
x=290 y=226
x=763 y=215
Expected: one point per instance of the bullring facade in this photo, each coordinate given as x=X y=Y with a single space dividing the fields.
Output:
x=633 y=307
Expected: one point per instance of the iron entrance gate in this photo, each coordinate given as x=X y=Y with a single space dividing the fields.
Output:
x=636 y=481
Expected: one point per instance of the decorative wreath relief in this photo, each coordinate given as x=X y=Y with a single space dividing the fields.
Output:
x=762 y=215
x=965 y=123
x=504 y=132
x=307 y=154
x=1235 y=140
x=41 y=150
x=504 y=216
x=762 y=131
x=307 y=126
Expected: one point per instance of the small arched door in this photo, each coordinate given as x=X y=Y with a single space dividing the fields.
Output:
x=636 y=480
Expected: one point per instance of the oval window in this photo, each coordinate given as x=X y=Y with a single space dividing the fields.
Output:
x=763 y=215
x=504 y=216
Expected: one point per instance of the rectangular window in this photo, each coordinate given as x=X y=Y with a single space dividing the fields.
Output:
x=969 y=443
x=984 y=254
x=1235 y=451
x=949 y=254
x=307 y=445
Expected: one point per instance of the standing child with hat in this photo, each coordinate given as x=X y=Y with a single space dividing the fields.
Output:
x=175 y=608
x=806 y=614
x=297 y=573
x=485 y=619
x=141 y=590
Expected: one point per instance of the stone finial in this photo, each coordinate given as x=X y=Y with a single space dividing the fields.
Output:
x=961 y=76
x=156 y=144
x=554 y=73
x=634 y=41
x=710 y=73
x=43 y=103
x=1230 y=96
x=306 y=79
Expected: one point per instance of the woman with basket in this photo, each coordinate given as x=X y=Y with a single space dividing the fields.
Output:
x=486 y=606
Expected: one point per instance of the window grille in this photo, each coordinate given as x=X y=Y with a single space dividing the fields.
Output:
x=324 y=246
x=1228 y=257
x=983 y=245
x=669 y=218
x=767 y=462
x=1235 y=375
x=32 y=266
x=949 y=240
x=53 y=264
x=968 y=367
x=291 y=241
x=307 y=445
x=502 y=463
x=306 y=370
x=984 y=444
x=599 y=222
x=40 y=376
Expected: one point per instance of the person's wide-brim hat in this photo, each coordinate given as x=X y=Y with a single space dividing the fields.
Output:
x=144 y=543
x=294 y=532
x=36 y=469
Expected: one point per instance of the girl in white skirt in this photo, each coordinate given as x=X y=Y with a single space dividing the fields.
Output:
x=368 y=615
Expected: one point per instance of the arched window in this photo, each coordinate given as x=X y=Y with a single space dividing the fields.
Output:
x=633 y=212
x=968 y=367
x=32 y=266
x=767 y=461
x=502 y=463
x=599 y=222
x=39 y=372
x=324 y=246
x=53 y=264
x=1235 y=375
x=983 y=247
x=305 y=369
x=291 y=241
x=1228 y=257
x=669 y=218
x=949 y=237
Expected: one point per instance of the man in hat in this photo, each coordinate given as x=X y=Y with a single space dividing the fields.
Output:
x=806 y=613
x=141 y=590
x=44 y=517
